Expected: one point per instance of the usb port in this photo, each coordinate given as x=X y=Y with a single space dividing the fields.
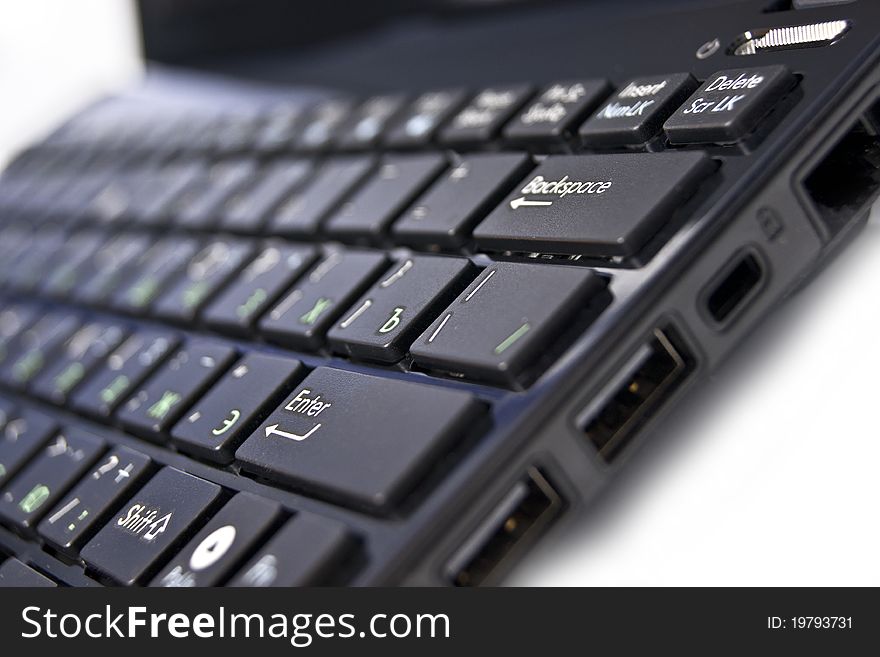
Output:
x=505 y=534
x=636 y=393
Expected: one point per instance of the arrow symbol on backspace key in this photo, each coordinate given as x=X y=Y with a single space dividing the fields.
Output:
x=522 y=201
x=273 y=429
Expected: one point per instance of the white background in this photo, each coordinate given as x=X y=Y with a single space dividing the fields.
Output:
x=771 y=477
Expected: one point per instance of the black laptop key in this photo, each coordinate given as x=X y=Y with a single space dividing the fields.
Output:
x=235 y=133
x=279 y=128
x=302 y=211
x=637 y=111
x=729 y=105
x=14 y=319
x=200 y=206
x=48 y=476
x=70 y=265
x=305 y=552
x=367 y=123
x=595 y=205
x=153 y=270
x=448 y=211
x=180 y=381
x=82 y=511
x=111 y=201
x=171 y=182
x=150 y=525
x=192 y=134
x=218 y=423
x=37 y=347
x=482 y=118
x=73 y=204
x=556 y=113
x=24 y=434
x=225 y=541
x=321 y=124
x=28 y=269
x=80 y=353
x=304 y=315
x=199 y=281
x=15 y=574
x=239 y=305
x=110 y=267
x=198 y=184
x=506 y=320
x=382 y=324
x=356 y=438
x=398 y=181
x=122 y=371
x=70 y=205
x=247 y=211
x=147 y=183
x=16 y=241
x=418 y=123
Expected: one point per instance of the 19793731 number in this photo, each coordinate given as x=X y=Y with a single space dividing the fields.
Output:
x=809 y=623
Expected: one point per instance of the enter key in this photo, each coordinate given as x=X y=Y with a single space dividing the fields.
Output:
x=363 y=440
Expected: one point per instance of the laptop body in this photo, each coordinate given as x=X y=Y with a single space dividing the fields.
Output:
x=639 y=301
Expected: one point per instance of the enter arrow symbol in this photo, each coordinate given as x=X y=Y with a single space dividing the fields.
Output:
x=273 y=429
x=523 y=201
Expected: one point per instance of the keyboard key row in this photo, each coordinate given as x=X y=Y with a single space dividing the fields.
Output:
x=209 y=400
x=194 y=189
x=357 y=303
x=356 y=439
x=566 y=110
x=604 y=207
x=123 y=516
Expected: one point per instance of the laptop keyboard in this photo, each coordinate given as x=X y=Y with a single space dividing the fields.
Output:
x=236 y=346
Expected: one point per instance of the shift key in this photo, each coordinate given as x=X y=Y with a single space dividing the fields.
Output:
x=151 y=524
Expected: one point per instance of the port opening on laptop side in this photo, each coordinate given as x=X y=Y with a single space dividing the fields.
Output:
x=640 y=389
x=524 y=513
x=846 y=180
x=729 y=292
